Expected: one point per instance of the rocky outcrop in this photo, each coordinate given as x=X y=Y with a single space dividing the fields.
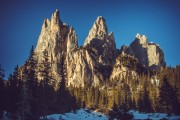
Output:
x=92 y=63
x=101 y=42
x=81 y=69
x=98 y=59
x=58 y=39
x=124 y=66
x=88 y=65
x=155 y=56
x=99 y=30
x=148 y=54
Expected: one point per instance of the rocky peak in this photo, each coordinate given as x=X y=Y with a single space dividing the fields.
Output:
x=46 y=39
x=111 y=40
x=55 y=19
x=46 y=23
x=141 y=39
x=72 y=42
x=58 y=39
x=155 y=56
x=99 y=30
x=148 y=54
x=93 y=63
x=101 y=42
x=101 y=23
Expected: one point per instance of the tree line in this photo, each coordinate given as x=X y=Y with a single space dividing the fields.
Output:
x=29 y=92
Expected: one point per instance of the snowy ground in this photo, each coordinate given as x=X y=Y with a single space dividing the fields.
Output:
x=79 y=115
x=153 y=116
x=91 y=115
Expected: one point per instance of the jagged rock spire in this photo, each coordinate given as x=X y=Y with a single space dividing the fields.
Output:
x=46 y=23
x=54 y=23
x=72 y=42
x=92 y=63
x=58 y=39
x=99 y=30
x=55 y=19
x=148 y=54
x=142 y=39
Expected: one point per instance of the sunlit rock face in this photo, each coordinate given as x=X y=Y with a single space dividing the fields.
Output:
x=90 y=64
x=97 y=60
x=99 y=30
x=148 y=54
x=121 y=71
x=155 y=56
x=58 y=39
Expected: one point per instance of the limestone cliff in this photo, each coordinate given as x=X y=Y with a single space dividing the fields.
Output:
x=101 y=42
x=124 y=66
x=57 y=38
x=92 y=63
x=99 y=30
x=88 y=65
x=148 y=54
x=98 y=59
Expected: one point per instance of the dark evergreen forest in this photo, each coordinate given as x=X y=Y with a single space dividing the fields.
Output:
x=29 y=92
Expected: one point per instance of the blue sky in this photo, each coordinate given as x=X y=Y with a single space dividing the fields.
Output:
x=21 y=22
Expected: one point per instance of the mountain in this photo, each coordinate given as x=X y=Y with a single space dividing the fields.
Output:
x=59 y=77
x=98 y=59
x=148 y=54
x=58 y=39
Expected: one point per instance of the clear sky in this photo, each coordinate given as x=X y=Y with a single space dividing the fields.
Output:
x=21 y=22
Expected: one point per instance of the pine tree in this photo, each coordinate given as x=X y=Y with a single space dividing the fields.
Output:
x=62 y=99
x=45 y=78
x=139 y=102
x=25 y=97
x=103 y=98
x=32 y=70
x=167 y=97
x=133 y=103
x=126 y=98
x=32 y=82
x=2 y=92
x=25 y=108
x=29 y=104
x=175 y=102
x=14 y=89
x=146 y=104
x=114 y=112
x=96 y=97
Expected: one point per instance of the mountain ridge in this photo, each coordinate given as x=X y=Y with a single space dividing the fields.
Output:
x=93 y=63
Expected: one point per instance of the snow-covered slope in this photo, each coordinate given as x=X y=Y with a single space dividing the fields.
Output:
x=79 y=115
x=153 y=116
x=84 y=114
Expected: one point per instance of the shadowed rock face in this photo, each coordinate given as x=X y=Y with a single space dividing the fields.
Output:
x=148 y=54
x=99 y=30
x=94 y=62
x=101 y=42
